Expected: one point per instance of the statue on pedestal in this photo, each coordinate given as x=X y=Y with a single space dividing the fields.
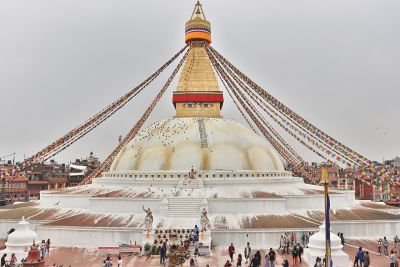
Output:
x=148 y=220
x=192 y=173
x=204 y=221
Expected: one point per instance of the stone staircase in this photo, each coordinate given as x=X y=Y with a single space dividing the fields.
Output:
x=184 y=207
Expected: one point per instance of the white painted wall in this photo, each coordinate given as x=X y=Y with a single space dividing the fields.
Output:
x=258 y=239
x=89 y=238
x=64 y=201
x=123 y=205
x=367 y=229
x=311 y=202
x=246 y=206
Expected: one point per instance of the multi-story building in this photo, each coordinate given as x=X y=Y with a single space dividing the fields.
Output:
x=46 y=176
x=81 y=168
x=14 y=189
x=333 y=174
x=346 y=181
x=365 y=190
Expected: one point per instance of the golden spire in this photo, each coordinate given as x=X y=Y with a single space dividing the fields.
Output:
x=197 y=93
x=198 y=27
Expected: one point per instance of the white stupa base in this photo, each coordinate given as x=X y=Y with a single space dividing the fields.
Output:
x=20 y=241
x=316 y=248
x=205 y=243
x=339 y=258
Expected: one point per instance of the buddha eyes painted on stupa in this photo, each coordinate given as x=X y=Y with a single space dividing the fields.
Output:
x=206 y=105
x=201 y=105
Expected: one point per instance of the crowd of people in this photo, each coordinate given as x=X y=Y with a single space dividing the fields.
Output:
x=108 y=262
x=8 y=263
x=254 y=259
x=44 y=248
x=288 y=242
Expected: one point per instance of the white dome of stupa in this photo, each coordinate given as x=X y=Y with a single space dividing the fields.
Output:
x=317 y=240
x=20 y=241
x=23 y=236
x=204 y=143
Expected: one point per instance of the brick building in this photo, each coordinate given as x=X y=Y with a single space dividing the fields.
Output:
x=79 y=169
x=14 y=189
x=46 y=176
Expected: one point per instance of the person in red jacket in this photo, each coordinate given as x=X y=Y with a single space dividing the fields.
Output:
x=231 y=251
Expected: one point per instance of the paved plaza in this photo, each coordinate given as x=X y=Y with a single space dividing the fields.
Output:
x=91 y=258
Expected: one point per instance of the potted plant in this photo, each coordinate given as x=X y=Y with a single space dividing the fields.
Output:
x=147 y=248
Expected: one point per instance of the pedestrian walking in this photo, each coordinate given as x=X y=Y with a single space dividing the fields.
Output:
x=48 y=246
x=392 y=259
x=355 y=264
x=108 y=262
x=247 y=252
x=318 y=262
x=301 y=251
x=342 y=239
x=272 y=257
x=287 y=241
x=119 y=262
x=266 y=261
x=3 y=260
x=256 y=260
x=367 y=261
x=360 y=256
x=231 y=251
x=379 y=246
x=239 y=260
x=295 y=253
x=285 y=263
x=228 y=264
x=385 y=246
x=43 y=248
x=163 y=253
x=282 y=243
x=292 y=238
x=13 y=260
x=303 y=239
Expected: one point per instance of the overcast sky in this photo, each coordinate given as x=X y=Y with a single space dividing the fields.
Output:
x=335 y=62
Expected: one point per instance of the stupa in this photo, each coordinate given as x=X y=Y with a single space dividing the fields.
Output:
x=199 y=160
x=20 y=241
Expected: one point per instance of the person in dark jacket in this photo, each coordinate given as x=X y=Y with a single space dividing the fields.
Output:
x=301 y=250
x=295 y=254
x=231 y=251
x=367 y=261
x=3 y=260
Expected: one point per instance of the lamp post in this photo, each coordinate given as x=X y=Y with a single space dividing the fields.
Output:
x=325 y=181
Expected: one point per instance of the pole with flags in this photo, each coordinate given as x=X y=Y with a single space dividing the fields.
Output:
x=325 y=180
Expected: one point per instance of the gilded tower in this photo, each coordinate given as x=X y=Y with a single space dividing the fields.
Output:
x=197 y=93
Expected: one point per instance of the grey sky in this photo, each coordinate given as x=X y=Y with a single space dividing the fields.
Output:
x=335 y=62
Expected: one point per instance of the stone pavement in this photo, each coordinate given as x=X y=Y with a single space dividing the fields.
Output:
x=91 y=258
x=75 y=257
